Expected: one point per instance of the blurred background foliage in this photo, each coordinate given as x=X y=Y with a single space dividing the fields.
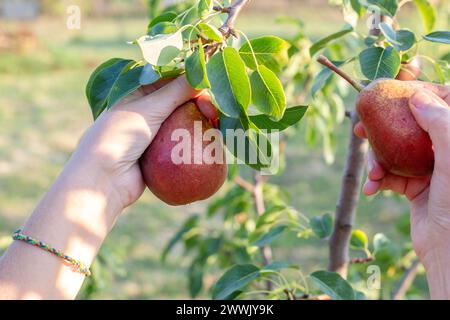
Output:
x=43 y=112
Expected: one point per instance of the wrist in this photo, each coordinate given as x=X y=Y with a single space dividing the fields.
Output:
x=436 y=263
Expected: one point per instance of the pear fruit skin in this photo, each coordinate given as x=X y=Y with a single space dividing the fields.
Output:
x=410 y=71
x=400 y=145
x=181 y=184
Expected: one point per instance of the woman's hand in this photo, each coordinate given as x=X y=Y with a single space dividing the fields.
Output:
x=429 y=196
x=100 y=180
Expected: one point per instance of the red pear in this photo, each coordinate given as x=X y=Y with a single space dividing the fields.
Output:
x=410 y=71
x=182 y=183
x=401 y=146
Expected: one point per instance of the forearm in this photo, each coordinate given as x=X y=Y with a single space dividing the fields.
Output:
x=438 y=274
x=74 y=216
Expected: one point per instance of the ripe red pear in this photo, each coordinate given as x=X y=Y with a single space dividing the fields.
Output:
x=181 y=184
x=401 y=146
x=410 y=71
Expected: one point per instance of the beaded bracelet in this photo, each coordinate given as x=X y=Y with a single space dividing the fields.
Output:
x=77 y=265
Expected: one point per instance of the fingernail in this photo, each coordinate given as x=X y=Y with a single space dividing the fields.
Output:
x=370 y=164
x=421 y=99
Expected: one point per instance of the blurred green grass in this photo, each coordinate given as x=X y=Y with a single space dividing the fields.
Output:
x=43 y=112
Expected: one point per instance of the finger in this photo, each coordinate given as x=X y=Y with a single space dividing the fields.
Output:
x=371 y=187
x=376 y=171
x=433 y=115
x=156 y=107
x=155 y=86
x=441 y=91
x=206 y=107
x=360 y=131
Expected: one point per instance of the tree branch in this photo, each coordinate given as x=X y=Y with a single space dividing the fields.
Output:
x=244 y=184
x=233 y=11
x=406 y=281
x=347 y=203
x=258 y=196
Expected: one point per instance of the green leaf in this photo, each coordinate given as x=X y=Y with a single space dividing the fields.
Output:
x=211 y=32
x=270 y=51
x=443 y=69
x=428 y=14
x=168 y=16
x=322 y=43
x=356 y=5
x=256 y=146
x=125 y=84
x=149 y=75
x=204 y=8
x=196 y=69
x=359 y=240
x=270 y=216
x=402 y=40
x=333 y=285
x=379 y=62
x=164 y=27
x=270 y=236
x=234 y=279
x=161 y=49
x=268 y=93
x=387 y=7
x=229 y=81
x=279 y=265
x=291 y=117
x=195 y=277
x=322 y=226
x=438 y=36
x=110 y=82
x=188 y=225
x=324 y=75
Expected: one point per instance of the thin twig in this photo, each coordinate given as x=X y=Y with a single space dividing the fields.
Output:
x=258 y=196
x=330 y=65
x=406 y=282
x=244 y=184
x=347 y=203
x=233 y=12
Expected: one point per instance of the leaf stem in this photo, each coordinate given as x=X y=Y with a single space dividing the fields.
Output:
x=330 y=65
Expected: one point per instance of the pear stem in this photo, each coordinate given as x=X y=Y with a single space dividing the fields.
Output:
x=330 y=65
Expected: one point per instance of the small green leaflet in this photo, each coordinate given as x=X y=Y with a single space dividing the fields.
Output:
x=268 y=93
x=333 y=285
x=168 y=16
x=196 y=69
x=111 y=82
x=402 y=40
x=438 y=36
x=210 y=32
x=234 y=279
x=161 y=49
x=229 y=81
x=322 y=226
x=322 y=43
x=379 y=62
x=164 y=27
x=270 y=51
x=291 y=117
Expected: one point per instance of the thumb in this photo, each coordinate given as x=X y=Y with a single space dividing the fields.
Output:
x=157 y=106
x=433 y=115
